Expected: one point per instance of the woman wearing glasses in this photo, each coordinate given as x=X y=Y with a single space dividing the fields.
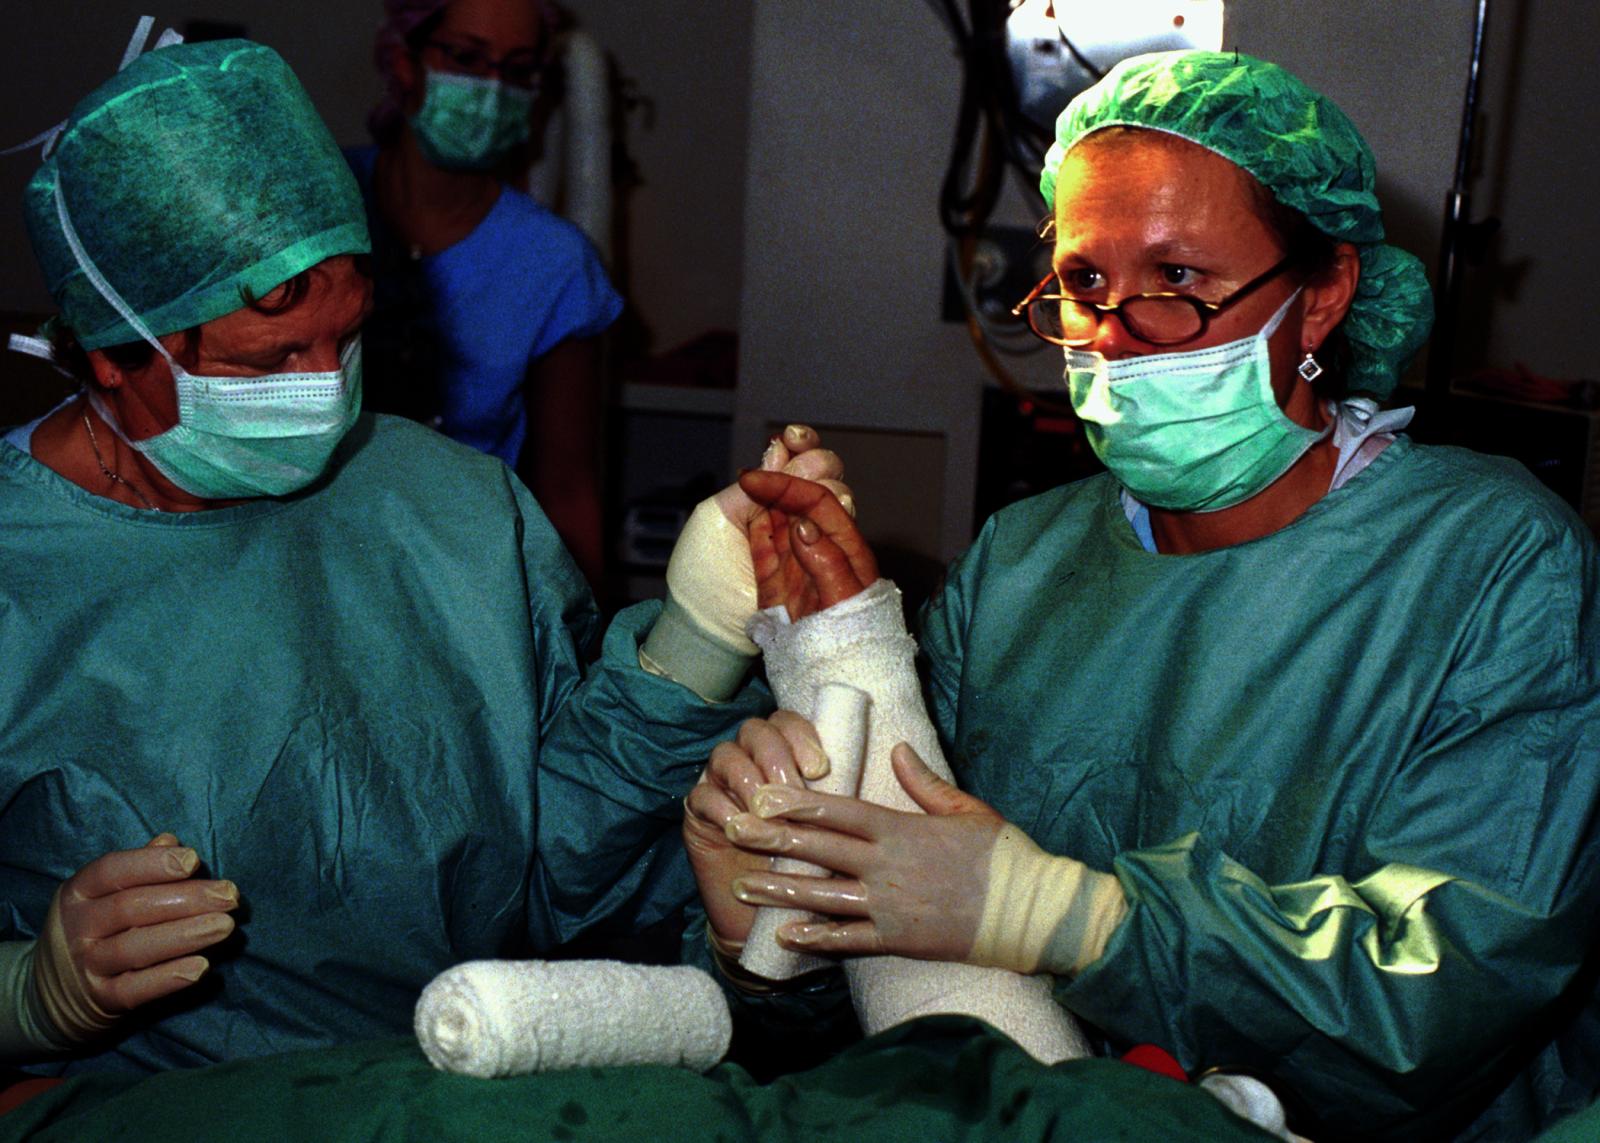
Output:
x=487 y=304
x=1279 y=742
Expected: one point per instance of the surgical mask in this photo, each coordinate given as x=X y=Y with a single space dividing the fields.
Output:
x=470 y=123
x=244 y=437
x=1190 y=432
x=237 y=437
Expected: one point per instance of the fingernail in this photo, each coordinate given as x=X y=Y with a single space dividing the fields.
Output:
x=807 y=530
x=224 y=893
x=812 y=759
x=770 y=801
x=182 y=860
x=800 y=933
x=749 y=830
x=214 y=925
x=848 y=503
x=744 y=891
x=796 y=433
x=164 y=839
x=191 y=969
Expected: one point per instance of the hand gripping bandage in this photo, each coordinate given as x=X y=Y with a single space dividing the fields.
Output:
x=863 y=643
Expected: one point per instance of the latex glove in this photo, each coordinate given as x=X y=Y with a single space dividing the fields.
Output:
x=776 y=751
x=807 y=552
x=956 y=883
x=123 y=931
x=699 y=639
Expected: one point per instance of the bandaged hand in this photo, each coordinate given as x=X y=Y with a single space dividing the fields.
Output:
x=768 y=753
x=806 y=550
x=700 y=640
x=955 y=883
x=123 y=931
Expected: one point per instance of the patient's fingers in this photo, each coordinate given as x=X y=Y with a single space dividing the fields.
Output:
x=834 y=573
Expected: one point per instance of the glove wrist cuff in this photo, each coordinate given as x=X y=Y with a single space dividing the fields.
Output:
x=679 y=649
x=1044 y=913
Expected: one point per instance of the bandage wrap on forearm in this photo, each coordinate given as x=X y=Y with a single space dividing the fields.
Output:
x=863 y=642
x=493 y=1018
x=1044 y=913
x=699 y=638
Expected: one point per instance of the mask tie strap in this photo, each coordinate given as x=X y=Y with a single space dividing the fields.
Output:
x=98 y=280
x=40 y=348
x=135 y=48
x=133 y=51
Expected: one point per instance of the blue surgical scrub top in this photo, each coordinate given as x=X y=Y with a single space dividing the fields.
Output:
x=462 y=327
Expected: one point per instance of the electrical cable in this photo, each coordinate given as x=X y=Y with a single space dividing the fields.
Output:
x=964 y=250
x=992 y=135
x=1082 y=60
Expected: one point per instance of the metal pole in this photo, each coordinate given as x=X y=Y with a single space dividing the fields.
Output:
x=1457 y=226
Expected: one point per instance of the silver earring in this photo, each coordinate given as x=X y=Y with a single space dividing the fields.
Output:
x=1309 y=369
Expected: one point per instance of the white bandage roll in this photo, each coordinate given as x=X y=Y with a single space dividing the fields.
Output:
x=863 y=642
x=840 y=716
x=493 y=1018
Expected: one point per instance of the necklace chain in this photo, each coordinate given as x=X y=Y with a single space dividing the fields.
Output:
x=94 y=443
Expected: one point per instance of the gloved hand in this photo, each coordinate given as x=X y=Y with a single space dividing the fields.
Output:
x=699 y=639
x=779 y=750
x=122 y=932
x=956 y=883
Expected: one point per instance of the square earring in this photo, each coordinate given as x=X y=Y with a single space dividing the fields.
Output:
x=1308 y=369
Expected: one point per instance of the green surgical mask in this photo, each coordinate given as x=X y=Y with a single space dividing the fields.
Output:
x=244 y=437
x=1189 y=432
x=470 y=123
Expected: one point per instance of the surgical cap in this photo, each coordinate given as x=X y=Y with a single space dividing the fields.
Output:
x=197 y=175
x=400 y=19
x=1299 y=146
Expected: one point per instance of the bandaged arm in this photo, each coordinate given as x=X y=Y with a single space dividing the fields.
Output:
x=699 y=640
x=862 y=641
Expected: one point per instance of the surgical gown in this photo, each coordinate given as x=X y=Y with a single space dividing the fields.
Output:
x=367 y=705
x=1348 y=776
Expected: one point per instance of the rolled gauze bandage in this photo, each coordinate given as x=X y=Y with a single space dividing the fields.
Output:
x=840 y=716
x=863 y=642
x=494 y=1018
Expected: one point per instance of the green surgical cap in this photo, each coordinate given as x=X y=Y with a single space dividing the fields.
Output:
x=1299 y=146
x=196 y=174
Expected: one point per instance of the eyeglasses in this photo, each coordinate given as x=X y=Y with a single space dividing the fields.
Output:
x=1159 y=319
x=517 y=71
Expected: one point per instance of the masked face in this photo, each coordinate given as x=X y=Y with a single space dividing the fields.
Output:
x=266 y=401
x=1190 y=432
x=1208 y=422
x=471 y=123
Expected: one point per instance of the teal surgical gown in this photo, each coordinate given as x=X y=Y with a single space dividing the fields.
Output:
x=1348 y=776
x=368 y=705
